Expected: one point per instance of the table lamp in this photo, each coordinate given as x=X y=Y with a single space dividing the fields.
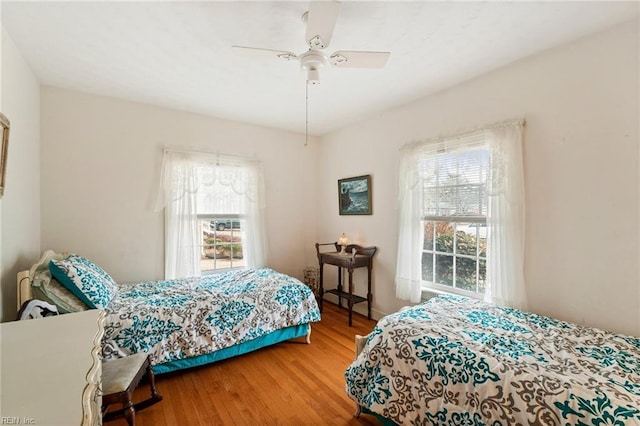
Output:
x=343 y=241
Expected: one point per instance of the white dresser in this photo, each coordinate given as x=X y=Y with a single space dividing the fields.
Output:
x=50 y=370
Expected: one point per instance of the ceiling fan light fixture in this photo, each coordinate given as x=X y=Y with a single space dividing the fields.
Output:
x=313 y=77
x=311 y=62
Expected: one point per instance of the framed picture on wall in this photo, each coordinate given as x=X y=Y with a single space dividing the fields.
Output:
x=354 y=195
x=4 y=146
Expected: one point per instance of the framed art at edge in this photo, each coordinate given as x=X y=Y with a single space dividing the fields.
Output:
x=354 y=195
x=4 y=141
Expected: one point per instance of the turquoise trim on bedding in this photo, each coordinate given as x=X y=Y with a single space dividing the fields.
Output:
x=243 y=348
x=381 y=419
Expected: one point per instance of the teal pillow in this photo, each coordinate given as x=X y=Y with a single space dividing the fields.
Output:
x=86 y=280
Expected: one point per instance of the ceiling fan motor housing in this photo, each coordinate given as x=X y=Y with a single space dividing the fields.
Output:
x=311 y=62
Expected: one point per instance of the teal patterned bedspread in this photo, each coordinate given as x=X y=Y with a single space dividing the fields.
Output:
x=179 y=319
x=459 y=361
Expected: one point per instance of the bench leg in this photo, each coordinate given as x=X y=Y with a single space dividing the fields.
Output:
x=129 y=409
x=155 y=396
x=129 y=412
x=152 y=384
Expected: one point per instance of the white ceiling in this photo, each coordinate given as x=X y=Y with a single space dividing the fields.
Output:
x=178 y=54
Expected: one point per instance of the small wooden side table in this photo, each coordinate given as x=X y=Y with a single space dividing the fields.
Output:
x=355 y=257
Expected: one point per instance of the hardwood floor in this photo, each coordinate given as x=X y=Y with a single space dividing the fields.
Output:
x=290 y=383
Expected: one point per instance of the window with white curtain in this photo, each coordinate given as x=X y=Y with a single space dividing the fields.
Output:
x=461 y=216
x=213 y=213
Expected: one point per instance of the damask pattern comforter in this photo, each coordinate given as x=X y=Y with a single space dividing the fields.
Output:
x=179 y=319
x=459 y=361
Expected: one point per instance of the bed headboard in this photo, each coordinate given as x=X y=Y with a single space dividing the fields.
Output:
x=24 y=292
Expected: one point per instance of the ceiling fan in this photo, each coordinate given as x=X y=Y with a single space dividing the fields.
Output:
x=321 y=21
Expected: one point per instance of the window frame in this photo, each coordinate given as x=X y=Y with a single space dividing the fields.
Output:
x=455 y=221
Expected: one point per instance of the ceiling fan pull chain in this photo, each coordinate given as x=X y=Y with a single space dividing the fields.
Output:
x=306 y=113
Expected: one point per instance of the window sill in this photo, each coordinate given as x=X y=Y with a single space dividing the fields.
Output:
x=428 y=293
x=218 y=271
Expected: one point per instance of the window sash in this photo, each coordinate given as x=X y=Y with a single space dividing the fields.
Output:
x=239 y=263
x=455 y=255
x=454 y=183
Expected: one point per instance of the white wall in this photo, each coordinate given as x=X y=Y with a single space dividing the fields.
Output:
x=581 y=168
x=100 y=171
x=20 y=206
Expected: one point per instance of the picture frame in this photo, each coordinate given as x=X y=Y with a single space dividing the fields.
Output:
x=354 y=195
x=4 y=147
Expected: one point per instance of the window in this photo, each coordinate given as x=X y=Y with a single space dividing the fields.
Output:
x=221 y=225
x=461 y=216
x=454 y=213
x=220 y=242
x=213 y=217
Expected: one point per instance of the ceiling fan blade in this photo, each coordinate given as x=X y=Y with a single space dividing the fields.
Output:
x=359 y=59
x=271 y=53
x=321 y=20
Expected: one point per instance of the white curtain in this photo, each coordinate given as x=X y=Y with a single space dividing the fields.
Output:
x=506 y=218
x=193 y=183
x=411 y=226
x=505 y=215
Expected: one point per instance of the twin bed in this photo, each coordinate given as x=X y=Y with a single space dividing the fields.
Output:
x=183 y=323
x=459 y=361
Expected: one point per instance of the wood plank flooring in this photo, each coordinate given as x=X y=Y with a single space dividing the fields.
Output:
x=290 y=383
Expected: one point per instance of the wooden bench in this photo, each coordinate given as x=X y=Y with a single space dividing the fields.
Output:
x=119 y=378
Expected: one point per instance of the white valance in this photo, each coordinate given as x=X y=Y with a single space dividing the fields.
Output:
x=194 y=172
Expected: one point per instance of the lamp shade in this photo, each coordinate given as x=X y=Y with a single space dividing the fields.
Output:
x=343 y=240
